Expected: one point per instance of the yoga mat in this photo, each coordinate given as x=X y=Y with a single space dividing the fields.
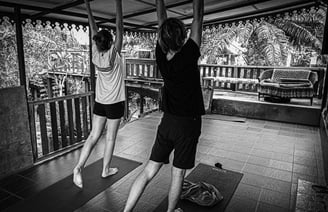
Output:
x=226 y=181
x=65 y=196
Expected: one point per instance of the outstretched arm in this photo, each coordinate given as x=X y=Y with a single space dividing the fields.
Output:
x=92 y=22
x=161 y=12
x=197 y=22
x=119 y=26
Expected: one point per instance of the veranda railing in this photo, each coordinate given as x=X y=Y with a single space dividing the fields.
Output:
x=250 y=72
x=59 y=123
x=62 y=122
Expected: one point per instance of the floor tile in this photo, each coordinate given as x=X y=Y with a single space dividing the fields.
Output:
x=282 y=157
x=275 y=198
x=279 y=174
x=249 y=191
x=277 y=185
x=254 y=169
x=306 y=170
x=258 y=160
x=281 y=165
x=9 y=201
x=254 y=179
x=263 y=207
x=238 y=204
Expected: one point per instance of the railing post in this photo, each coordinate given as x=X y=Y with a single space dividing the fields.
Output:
x=92 y=67
x=33 y=132
x=141 y=104
x=20 y=46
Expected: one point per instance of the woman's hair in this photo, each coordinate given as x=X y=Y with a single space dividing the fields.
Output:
x=171 y=35
x=103 y=40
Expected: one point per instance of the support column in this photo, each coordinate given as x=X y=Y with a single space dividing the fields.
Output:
x=92 y=67
x=20 y=46
x=325 y=52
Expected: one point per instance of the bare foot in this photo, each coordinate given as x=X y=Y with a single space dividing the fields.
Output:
x=109 y=172
x=77 y=177
x=178 y=210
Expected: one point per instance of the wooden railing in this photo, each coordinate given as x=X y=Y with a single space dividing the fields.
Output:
x=251 y=72
x=146 y=69
x=59 y=123
x=141 y=68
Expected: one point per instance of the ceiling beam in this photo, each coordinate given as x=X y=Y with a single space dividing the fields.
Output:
x=73 y=14
x=131 y=15
x=154 y=5
x=59 y=8
x=222 y=9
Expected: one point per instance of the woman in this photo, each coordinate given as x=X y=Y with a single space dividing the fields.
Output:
x=110 y=93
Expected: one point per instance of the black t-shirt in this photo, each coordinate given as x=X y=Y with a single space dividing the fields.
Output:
x=182 y=94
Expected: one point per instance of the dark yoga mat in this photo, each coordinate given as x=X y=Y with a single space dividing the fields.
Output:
x=65 y=196
x=226 y=181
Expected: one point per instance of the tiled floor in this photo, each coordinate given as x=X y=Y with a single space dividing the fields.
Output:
x=271 y=155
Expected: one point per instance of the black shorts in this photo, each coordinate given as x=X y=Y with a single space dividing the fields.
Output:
x=180 y=134
x=111 y=111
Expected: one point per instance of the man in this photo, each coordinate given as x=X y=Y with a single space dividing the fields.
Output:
x=180 y=127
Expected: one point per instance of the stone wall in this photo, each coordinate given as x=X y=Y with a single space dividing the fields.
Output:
x=15 y=142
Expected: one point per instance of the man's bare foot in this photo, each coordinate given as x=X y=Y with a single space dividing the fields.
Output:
x=109 y=172
x=77 y=177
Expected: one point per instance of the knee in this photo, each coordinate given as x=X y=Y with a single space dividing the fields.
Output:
x=93 y=138
x=178 y=173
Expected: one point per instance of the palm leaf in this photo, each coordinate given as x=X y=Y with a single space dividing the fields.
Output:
x=298 y=34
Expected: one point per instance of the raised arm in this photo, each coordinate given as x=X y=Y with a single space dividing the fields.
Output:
x=92 y=22
x=197 y=22
x=119 y=26
x=161 y=12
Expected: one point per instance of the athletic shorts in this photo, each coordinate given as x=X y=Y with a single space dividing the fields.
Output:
x=180 y=134
x=111 y=111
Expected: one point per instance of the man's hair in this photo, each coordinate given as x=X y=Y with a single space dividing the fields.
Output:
x=172 y=35
x=103 y=40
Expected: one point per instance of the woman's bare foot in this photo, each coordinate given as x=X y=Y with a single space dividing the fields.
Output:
x=109 y=172
x=77 y=177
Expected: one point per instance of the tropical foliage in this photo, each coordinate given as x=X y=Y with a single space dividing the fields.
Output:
x=267 y=42
x=8 y=54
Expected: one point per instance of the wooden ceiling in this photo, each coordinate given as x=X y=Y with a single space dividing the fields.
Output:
x=141 y=14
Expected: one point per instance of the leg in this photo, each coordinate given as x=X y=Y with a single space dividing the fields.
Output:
x=98 y=123
x=176 y=187
x=140 y=184
x=112 y=128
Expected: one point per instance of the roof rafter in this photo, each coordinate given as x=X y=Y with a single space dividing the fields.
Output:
x=261 y=12
x=73 y=14
x=222 y=9
x=59 y=8
x=154 y=9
